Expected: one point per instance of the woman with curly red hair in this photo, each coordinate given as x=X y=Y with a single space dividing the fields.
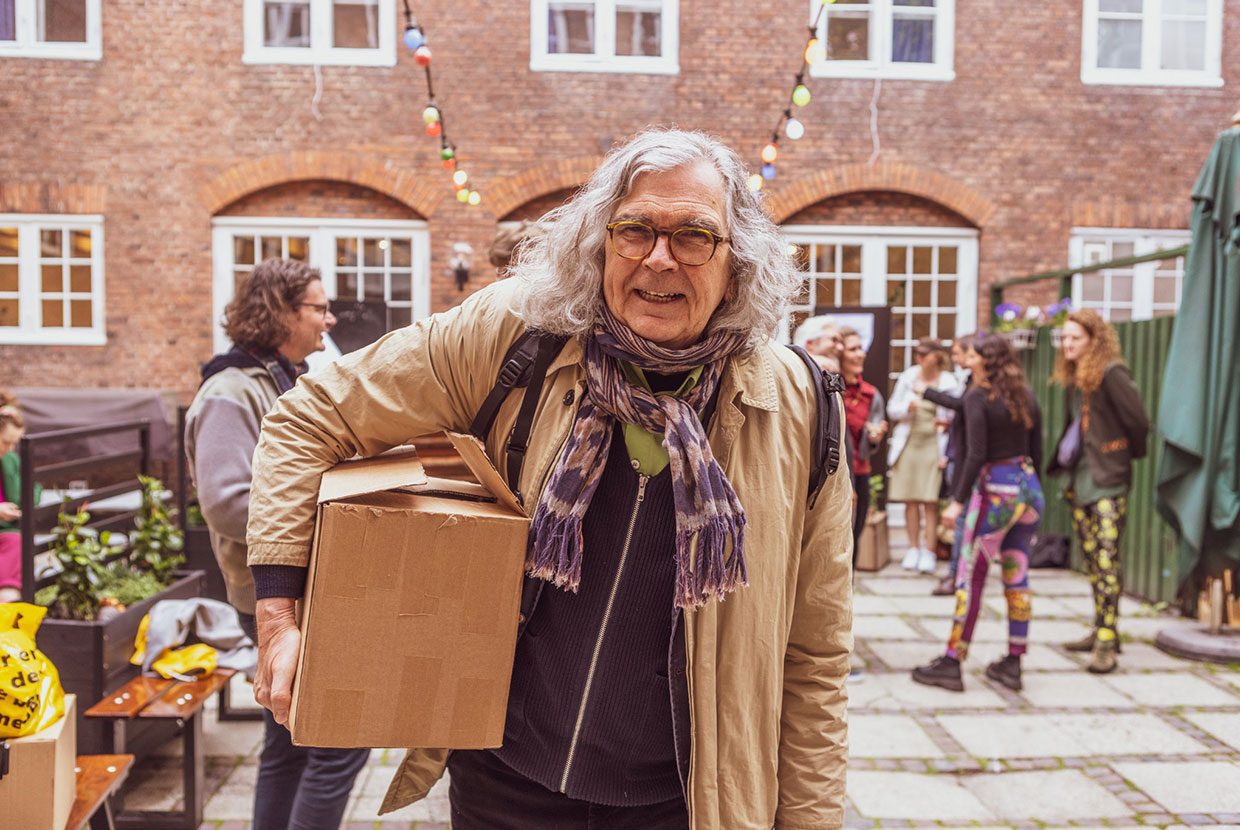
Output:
x=999 y=483
x=1105 y=431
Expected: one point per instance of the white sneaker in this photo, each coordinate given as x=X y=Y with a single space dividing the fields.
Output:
x=928 y=562
x=911 y=559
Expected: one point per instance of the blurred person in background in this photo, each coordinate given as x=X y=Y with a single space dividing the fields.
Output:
x=863 y=411
x=916 y=454
x=12 y=427
x=821 y=337
x=1105 y=431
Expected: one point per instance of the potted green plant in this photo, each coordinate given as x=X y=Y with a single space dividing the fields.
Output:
x=1018 y=325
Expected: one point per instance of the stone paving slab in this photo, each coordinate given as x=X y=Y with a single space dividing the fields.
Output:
x=864 y=604
x=1187 y=787
x=1222 y=725
x=1053 y=690
x=935 y=608
x=1055 y=632
x=1054 y=796
x=910 y=795
x=1039 y=657
x=1142 y=628
x=1138 y=655
x=368 y=796
x=1171 y=689
x=882 y=628
x=889 y=736
x=1052 y=584
x=1053 y=735
x=898 y=691
x=896 y=587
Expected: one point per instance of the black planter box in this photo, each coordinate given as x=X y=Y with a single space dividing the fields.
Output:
x=93 y=657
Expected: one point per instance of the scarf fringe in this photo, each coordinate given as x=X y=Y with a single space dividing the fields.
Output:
x=709 y=576
x=555 y=549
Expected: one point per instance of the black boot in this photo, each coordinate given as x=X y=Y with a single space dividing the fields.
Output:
x=1006 y=671
x=942 y=671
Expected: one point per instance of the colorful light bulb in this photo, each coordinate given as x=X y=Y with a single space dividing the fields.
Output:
x=800 y=95
x=794 y=129
x=462 y=196
x=433 y=129
x=475 y=198
x=769 y=153
x=754 y=182
x=431 y=114
x=413 y=37
x=422 y=56
x=459 y=178
x=449 y=164
x=768 y=171
x=447 y=153
x=815 y=52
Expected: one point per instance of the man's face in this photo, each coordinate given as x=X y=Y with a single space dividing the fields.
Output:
x=10 y=434
x=307 y=323
x=657 y=297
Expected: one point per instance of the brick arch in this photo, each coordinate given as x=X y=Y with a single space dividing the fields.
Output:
x=505 y=195
x=249 y=177
x=891 y=176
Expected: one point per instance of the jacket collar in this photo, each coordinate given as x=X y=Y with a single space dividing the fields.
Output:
x=751 y=378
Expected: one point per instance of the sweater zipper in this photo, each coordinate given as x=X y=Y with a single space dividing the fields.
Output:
x=602 y=631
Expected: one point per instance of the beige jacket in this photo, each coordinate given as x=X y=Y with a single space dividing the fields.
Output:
x=766 y=667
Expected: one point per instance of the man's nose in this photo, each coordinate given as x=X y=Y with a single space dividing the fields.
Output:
x=660 y=257
x=329 y=320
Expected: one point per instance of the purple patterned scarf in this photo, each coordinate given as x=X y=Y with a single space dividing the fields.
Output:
x=710 y=521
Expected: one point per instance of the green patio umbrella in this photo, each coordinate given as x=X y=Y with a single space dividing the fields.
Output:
x=1199 y=414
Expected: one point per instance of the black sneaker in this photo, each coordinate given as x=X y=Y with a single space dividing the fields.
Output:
x=942 y=671
x=1006 y=671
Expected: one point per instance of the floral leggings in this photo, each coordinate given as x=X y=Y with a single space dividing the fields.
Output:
x=1099 y=527
x=1003 y=515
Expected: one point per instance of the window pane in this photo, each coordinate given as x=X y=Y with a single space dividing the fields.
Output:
x=851 y=292
x=895 y=292
x=848 y=36
x=402 y=286
x=1184 y=44
x=243 y=250
x=897 y=359
x=920 y=327
x=346 y=251
x=53 y=279
x=947 y=327
x=1121 y=288
x=346 y=287
x=570 y=28
x=80 y=314
x=923 y=258
x=79 y=279
x=355 y=25
x=897 y=259
x=947 y=260
x=912 y=40
x=299 y=248
x=8 y=312
x=1183 y=7
x=1092 y=287
x=8 y=277
x=272 y=247
x=286 y=24
x=638 y=32
x=1122 y=250
x=398 y=318
x=51 y=243
x=61 y=21
x=921 y=293
x=826 y=259
x=1119 y=44
x=8 y=241
x=401 y=253
x=851 y=263
x=374 y=286
x=79 y=241
x=898 y=328
x=947 y=289
x=1117 y=314
x=1129 y=6
x=372 y=251
x=8 y=31
x=826 y=292
x=1164 y=288
x=53 y=314
x=238 y=278
x=913 y=3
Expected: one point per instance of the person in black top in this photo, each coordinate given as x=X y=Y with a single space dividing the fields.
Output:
x=999 y=483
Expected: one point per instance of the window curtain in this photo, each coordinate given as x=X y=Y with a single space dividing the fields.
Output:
x=7 y=20
x=912 y=40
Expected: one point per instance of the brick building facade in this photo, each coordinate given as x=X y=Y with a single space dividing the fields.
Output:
x=149 y=176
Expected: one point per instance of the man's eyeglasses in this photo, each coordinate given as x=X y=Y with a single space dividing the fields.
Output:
x=321 y=308
x=689 y=246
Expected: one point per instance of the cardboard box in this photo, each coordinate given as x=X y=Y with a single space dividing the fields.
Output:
x=37 y=793
x=874 y=553
x=410 y=618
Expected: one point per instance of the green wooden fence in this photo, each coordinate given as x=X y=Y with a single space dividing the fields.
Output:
x=1149 y=549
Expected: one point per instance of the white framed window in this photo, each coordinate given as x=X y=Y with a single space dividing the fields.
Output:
x=605 y=35
x=51 y=280
x=1152 y=42
x=927 y=276
x=329 y=32
x=909 y=39
x=361 y=260
x=1137 y=292
x=67 y=29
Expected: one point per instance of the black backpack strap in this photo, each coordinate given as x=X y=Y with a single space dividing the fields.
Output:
x=513 y=372
x=519 y=439
x=828 y=387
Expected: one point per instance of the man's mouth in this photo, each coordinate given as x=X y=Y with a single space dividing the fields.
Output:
x=658 y=296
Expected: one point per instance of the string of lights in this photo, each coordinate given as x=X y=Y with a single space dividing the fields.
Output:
x=788 y=124
x=432 y=115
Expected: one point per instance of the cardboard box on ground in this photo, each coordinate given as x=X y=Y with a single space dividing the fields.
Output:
x=409 y=622
x=37 y=793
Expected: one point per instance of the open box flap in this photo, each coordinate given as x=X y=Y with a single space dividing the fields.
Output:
x=398 y=467
x=475 y=457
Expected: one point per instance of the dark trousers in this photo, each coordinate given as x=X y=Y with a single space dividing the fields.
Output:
x=861 y=483
x=487 y=795
x=298 y=787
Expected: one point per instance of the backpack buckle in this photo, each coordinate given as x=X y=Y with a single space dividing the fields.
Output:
x=510 y=373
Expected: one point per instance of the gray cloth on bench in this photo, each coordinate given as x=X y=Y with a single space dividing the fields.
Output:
x=215 y=623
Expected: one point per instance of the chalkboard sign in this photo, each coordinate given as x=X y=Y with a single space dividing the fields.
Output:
x=358 y=324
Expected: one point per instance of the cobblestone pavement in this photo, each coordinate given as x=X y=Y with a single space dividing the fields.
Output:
x=1157 y=743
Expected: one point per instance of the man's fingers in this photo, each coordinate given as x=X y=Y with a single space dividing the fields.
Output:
x=283 y=667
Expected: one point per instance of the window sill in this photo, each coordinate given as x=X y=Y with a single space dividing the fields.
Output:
x=586 y=63
x=1134 y=77
x=892 y=73
x=53 y=51
x=332 y=57
x=52 y=337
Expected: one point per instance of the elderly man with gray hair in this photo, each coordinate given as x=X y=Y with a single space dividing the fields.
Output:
x=685 y=625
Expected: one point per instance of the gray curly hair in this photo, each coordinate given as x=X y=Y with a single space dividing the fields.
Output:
x=562 y=271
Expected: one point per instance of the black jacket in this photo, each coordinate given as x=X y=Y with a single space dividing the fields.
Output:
x=1114 y=427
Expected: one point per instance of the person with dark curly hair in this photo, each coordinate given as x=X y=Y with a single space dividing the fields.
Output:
x=999 y=482
x=276 y=320
x=1105 y=431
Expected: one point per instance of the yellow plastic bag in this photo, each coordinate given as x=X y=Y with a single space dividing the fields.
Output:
x=174 y=663
x=31 y=697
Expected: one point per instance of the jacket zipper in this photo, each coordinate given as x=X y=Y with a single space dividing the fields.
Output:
x=602 y=631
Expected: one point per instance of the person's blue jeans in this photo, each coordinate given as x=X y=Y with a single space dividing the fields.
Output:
x=299 y=787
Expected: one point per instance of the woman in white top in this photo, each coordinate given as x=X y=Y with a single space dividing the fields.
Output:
x=917 y=452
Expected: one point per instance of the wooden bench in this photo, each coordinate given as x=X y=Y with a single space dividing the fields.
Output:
x=181 y=701
x=98 y=776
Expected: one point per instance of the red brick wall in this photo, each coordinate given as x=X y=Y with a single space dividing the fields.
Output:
x=170 y=127
x=879 y=208
x=325 y=200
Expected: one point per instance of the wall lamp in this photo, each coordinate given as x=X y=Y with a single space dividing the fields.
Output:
x=460 y=262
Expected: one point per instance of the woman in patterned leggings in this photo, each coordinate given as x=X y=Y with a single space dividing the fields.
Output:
x=999 y=482
x=1105 y=431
